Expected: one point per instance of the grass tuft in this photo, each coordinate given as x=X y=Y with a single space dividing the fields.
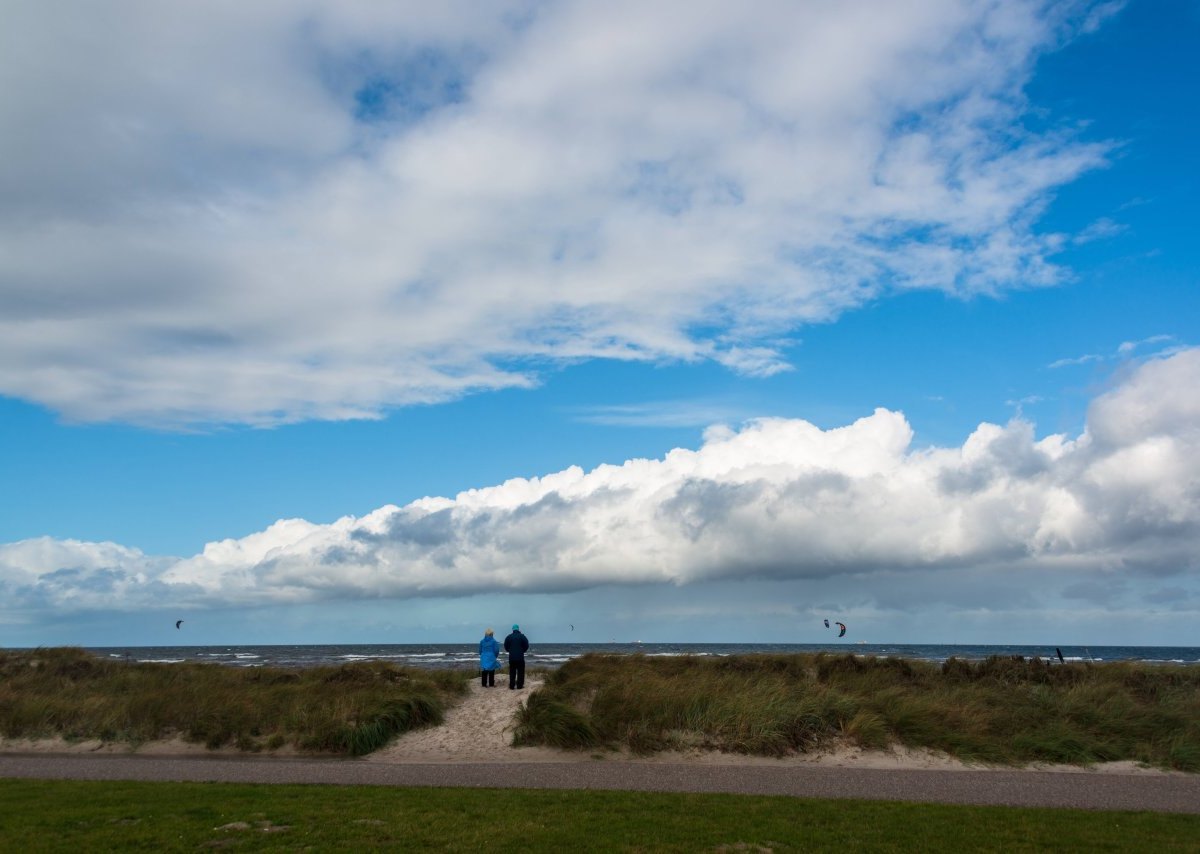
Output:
x=543 y=720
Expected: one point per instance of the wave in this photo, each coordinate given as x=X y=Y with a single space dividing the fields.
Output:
x=464 y=656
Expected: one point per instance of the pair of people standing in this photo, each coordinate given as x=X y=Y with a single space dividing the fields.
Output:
x=516 y=645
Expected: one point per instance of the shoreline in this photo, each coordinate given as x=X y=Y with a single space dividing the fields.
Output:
x=553 y=654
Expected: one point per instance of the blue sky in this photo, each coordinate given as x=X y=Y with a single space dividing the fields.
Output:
x=308 y=262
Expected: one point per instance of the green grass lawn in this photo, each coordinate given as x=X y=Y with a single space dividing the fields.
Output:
x=78 y=816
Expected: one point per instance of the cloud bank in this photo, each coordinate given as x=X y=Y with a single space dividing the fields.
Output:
x=231 y=213
x=776 y=500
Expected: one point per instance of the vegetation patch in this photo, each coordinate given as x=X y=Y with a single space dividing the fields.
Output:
x=72 y=816
x=350 y=709
x=999 y=710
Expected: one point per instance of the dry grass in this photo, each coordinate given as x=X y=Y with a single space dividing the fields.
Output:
x=351 y=709
x=1000 y=710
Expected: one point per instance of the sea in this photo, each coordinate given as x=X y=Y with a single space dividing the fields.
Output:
x=553 y=655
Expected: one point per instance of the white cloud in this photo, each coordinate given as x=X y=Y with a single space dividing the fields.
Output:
x=1128 y=349
x=75 y=575
x=259 y=213
x=776 y=500
x=699 y=412
x=1102 y=229
x=1078 y=360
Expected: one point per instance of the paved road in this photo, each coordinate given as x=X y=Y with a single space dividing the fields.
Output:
x=1167 y=793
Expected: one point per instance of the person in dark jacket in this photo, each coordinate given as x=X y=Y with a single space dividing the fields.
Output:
x=489 y=650
x=516 y=645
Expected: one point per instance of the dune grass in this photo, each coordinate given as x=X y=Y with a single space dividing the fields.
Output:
x=72 y=816
x=1001 y=710
x=350 y=709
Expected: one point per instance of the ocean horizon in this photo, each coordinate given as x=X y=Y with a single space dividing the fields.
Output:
x=551 y=655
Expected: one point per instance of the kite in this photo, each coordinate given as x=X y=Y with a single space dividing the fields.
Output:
x=826 y=624
x=843 y=631
x=572 y=625
x=178 y=623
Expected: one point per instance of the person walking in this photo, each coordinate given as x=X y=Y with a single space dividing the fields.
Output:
x=489 y=649
x=516 y=644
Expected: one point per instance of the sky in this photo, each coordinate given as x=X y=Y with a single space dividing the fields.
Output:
x=686 y=321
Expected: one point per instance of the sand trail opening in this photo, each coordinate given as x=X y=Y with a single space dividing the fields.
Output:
x=479 y=729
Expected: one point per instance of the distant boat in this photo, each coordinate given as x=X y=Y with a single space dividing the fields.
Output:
x=861 y=642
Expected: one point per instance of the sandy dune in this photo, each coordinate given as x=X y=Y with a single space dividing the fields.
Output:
x=480 y=729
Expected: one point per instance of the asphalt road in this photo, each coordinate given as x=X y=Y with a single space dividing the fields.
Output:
x=1160 y=793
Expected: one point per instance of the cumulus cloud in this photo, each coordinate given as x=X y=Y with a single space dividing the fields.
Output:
x=222 y=212
x=776 y=500
x=75 y=575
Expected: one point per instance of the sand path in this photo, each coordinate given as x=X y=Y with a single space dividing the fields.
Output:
x=479 y=729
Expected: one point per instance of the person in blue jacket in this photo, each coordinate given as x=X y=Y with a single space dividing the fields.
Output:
x=517 y=645
x=489 y=650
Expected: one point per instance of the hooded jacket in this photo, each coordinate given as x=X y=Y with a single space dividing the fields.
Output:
x=489 y=648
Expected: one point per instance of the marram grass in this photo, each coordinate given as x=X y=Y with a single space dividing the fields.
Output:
x=350 y=709
x=1001 y=710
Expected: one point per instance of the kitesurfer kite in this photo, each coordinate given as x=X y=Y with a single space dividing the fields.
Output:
x=178 y=623
x=841 y=626
x=826 y=624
